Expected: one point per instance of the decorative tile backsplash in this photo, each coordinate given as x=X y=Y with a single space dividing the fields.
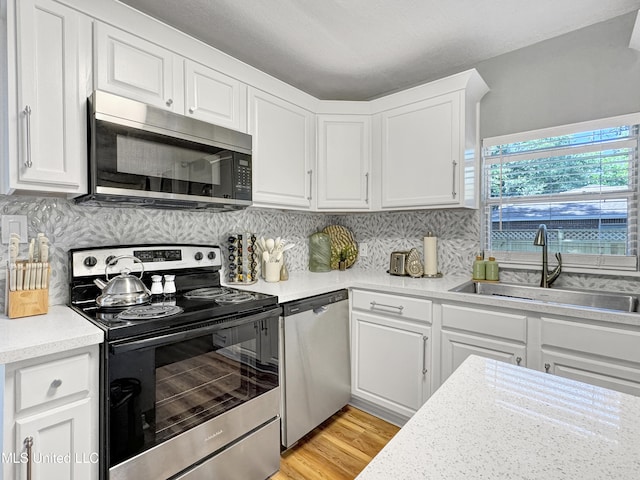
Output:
x=72 y=226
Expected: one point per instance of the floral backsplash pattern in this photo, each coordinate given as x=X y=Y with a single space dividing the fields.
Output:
x=72 y=226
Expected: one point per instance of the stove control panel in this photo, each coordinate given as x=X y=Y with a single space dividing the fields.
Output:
x=154 y=258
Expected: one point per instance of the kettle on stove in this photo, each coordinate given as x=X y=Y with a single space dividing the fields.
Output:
x=124 y=289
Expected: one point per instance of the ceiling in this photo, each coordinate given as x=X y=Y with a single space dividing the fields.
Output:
x=362 y=49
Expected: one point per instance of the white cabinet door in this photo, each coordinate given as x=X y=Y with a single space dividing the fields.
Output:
x=469 y=330
x=132 y=67
x=214 y=97
x=457 y=346
x=601 y=355
x=593 y=370
x=62 y=447
x=390 y=362
x=344 y=159
x=53 y=65
x=421 y=149
x=283 y=146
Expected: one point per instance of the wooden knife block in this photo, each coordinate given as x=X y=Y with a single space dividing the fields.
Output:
x=25 y=303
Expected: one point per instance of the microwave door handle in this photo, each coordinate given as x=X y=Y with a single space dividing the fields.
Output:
x=189 y=334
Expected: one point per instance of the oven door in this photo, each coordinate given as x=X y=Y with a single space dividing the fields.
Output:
x=178 y=398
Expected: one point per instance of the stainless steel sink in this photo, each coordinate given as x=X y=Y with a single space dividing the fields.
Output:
x=584 y=298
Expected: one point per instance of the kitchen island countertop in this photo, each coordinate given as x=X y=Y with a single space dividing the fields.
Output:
x=496 y=420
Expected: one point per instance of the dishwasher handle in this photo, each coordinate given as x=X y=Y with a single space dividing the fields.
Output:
x=313 y=303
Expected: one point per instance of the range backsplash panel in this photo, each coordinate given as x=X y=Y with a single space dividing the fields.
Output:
x=68 y=225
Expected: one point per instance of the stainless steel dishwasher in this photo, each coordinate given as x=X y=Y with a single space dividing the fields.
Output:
x=315 y=367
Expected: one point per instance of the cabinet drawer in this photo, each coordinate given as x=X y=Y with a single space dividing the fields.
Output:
x=404 y=307
x=595 y=339
x=497 y=324
x=49 y=381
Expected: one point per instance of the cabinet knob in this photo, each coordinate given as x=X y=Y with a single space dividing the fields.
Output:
x=169 y=102
x=192 y=109
x=518 y=360
x=547 y=367
x=56 y=383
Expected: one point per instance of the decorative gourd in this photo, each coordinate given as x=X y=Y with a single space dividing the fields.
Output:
x=342 y=241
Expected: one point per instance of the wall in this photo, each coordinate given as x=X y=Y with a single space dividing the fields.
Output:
x=587 y=74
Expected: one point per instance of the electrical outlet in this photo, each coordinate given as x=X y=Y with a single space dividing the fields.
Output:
x=14 y=224
x=364 y=249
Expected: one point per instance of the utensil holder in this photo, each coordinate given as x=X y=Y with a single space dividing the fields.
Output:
x=272 y=271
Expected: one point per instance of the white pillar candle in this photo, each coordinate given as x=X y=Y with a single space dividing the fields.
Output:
x=430 y=254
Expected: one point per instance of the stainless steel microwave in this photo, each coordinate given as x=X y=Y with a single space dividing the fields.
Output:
x=140 y=155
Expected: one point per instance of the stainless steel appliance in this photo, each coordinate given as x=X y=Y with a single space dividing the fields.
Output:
x=189 y=381
x=398 y=263
x=140 y=155
x=315 y=366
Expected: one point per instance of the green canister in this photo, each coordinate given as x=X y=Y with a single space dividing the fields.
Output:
x=320 y=252
x=479 y=268
x=492 y=270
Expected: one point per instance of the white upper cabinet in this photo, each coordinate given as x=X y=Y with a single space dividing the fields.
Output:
x=214 y=97
x=135 y=68
x=344 y=162
x=283 y=152
x=49 y=51
x=421 y=153
x=425 y=132
x=132 y=67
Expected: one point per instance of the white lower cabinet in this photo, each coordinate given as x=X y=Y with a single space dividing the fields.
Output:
x=487 y=333
x=596 y=354
x=51 y=417
x=457 y=346
x=390 y=353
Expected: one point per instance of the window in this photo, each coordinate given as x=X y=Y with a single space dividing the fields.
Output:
x=580 y=180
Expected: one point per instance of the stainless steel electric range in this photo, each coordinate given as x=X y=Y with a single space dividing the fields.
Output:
x=189 y=368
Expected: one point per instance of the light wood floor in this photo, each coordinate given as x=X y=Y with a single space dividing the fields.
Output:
x=339 y=449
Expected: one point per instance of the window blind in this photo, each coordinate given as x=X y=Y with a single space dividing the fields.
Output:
x=580 y=180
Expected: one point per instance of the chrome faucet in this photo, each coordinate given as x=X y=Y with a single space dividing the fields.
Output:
x=541 y=241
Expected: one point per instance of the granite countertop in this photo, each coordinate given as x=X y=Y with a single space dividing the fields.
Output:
x=303 y=284
x=496 y=420
x=57 y=331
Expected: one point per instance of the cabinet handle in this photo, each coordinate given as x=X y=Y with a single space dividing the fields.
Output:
x=28 y=445
x=169 y=102
x=453 y=185
x=27 y=113
x=366 y=179
x=375 y=304
x=192 y=109
x=424 y=354
x=56 y=383
x=518 y=360
x=310 y=172
x=547 y=367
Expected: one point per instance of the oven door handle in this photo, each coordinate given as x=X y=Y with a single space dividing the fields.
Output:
x=188 y=334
